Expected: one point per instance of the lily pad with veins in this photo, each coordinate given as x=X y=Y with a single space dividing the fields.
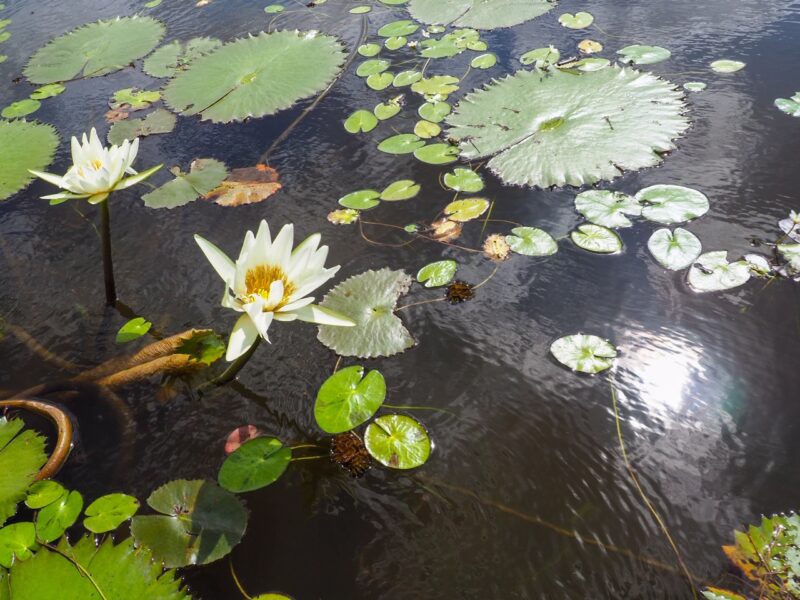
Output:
x=479 y=14
x=531 y=241
x=674 y=250
x=606 y=208
x=669 y=204
x=584 y=353
x=565 y=128
x=713 y=273
x=596 y=238
x=398 y=441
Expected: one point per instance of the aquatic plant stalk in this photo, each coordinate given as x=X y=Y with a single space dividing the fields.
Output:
x=108 y=266
x=232 y=371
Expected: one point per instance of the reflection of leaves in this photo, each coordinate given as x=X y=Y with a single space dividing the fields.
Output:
x=246 y=186
x=158 y=121
x=204 y=175
x=21 y=457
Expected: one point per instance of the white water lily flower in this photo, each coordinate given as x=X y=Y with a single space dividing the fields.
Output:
x=96 y=171
x=270 y=281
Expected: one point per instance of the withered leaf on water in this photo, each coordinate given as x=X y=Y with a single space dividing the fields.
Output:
x=247 y=185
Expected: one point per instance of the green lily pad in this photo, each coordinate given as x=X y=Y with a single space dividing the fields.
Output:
x=133 y=99
x=484 y=61
x=569 y=128
x=436 y=85
x=644 y=55
x=361 y=199
x=398 y=28
x=402 y=143
x=694 y=86
x=369 y=50
x=791 y=106
x=713 y=273
x=463 y=180
x=397 y=441
x=427 y=130
x=16 y=542
x=541 y=57
x=669 y=204
x=395 y=42
x=674 y=250
x=406 y=78
x=369 y=299
x=42 y=493
x=47 y=91
x=791 y=252
x=478 y=13
x=372 y=66
x=345 y=400
x=274 y=9
x=21 y=108
x=21 y=457
x=158 y=121
x=437 y=274
x=437 y=154
x=727 y=66
x=466 y=210
x=133 y=330
x=596 y=238
x=343 y=216
x=109 y=512
x=361 y=121
x=55 y=518
x=580 y=20
x=204 y=347
x=200 y=523
x=255 y=464
x=531 y=241
x=400 y=190
x=606 y=208
x=440 y=48
x=380 y=81
x=584 y=353
x=360 y=10
x=204 y=175
x=255 y=76
x=435 y=112
x=386 y=110
x=94 y=50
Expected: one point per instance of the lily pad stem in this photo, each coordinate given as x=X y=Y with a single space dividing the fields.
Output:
x=108 y=266
x=236 y=580
x=232 y=371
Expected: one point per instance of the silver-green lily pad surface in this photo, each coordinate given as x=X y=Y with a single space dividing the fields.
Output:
x=596 y=238
x=643 y=55
x=531 y=241
x=94 y=50
x=255 y=76
x=565 y=128
x=674 y=250
x=727 y=66
x=23 y=146
x=606 y=208
x=584 y=353
x=176 y=56
x=369 y=299
x=480 y=14
x=791 y=106
x=791 y=252
x=669 y=204
x=713 y=273
x=398 y=441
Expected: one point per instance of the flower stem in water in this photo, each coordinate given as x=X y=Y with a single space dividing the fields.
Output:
x=108 y=266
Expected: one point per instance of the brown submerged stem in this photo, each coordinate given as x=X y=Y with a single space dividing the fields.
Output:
x=108 y=266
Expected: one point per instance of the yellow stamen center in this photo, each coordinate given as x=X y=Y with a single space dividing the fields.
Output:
x=96 y=164
x=259 y=279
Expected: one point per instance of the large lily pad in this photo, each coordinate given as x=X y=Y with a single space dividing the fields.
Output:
x=569 y=128
x=348 y=398
x=255 y=76
x=584 y=353
x=176 y=56
x=200 y=523
x=398 y=441
x=669 y=204
x=674 y=250
x=479 y=14
x=21 y=457
x=94 y=50
x=713 y=273
x=369 y=299
x=23 y=146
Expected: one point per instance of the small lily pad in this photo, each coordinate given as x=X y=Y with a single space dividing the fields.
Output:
x=204 y=175
x=395 y=42
x=406 y=78
x=133 y=99
x=541 y=57
x=16 y=542
x=403 y=143
x=596 y=238
x=590 y=46
x=273 y=9
x=361 y=199
x=360 y=10
x=713 y=273
x=484 y=61
x=727 y=66
x=463 y=180
x=369 y=50
x=427 y=130
x=20 y=108
x=584 y=353
x=643 y=55
x=587 y=65
x=437 y=273
x=791 y=106
x=670 y=204
x=694 y=86
x=343 y=216
x=437 y=85
x=372 y=67
x=466 y=210
x=674 y=250
x=361 y=121
x=109 y=512
x=580 y=20
x=255 y=464
x=395 y=28
x=47 y=91
x=606 y=208
x=133 y=329
x=531 y=241
x=437 y=154
x=348 y=398
x=386 y=110
x=400 y=190
x=434 y=111
x=397 y=441
x=791 y=252
x=55 y=518
x=42 y=493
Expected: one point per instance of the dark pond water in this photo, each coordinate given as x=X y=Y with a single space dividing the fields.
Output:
x=708 y=383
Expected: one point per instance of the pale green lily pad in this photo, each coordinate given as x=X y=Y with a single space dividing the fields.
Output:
x=531 y=241
x=437 y=154
x=403 y=143
x=395 y=42
x=94 y=50
x=584 y=353
x=541 y=57
x=607 y=208
x=16 y=542
x=670 y=204
x=463 y=180
x=444 y=47
x=199 y=523
x=55 y=518
x=380 y=81
x=369 y=50
x=427 y=130
x=47 y=91
x=133 y=329
x=466 y=210
x=398 y=28
x=759 y=265
x=156 y=122
x=21 y=457
x=437 y=273
x=479 y=14
x=587 y=65
x=386 y=110
x=133 y=99
x=580 y=20
x=791 y=252
x=727 y=66
x=23 y=146
x=255 y=76
x=694 y=86
x=406 y=78
x=273 y=9
x=435 y=112
x=20 y=108
x=596 y=238
x=361 y=121
x=348 y=398
x=713 y=273
x=360 y=10
x=204 y=175
x=171 y=58
x=569 y=128
x=361 y=199
x=791 y=106
x=343 y=216
x=397 y=441
x=369 y=299
x=109 y=512
x=436 y=85
x=257 y=463
x=644 y=55
x=372 y=66
x=674 y=250
x=400 y=190
x=484 y=61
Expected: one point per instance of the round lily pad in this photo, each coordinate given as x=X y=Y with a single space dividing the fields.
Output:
x=395 y=42
x=484 y=61
x=400 y=190
x=463 y=180
x=479 y=14
x=727 y=66
x=531 y=241
x=466 y=210
x=21 y=108
x=348 y=398
x=669 y=204
x=694 y=86
x=713 y=273
x=437 y=273
x=434 y=111
x=791 y=106
x=255 y=464
x=580 y=20
x=674 y=250
x=596 y=238
x=369 y=50
x=42 y=493
x=644 y=55
x=55 y=518
x=398 y=28
x=372 y=66
x=109 y=512
x=361 y=121
x=397 y=441
x=386 y=110
x=406 y=78
x=541 y=57
x=402 y=143
x=361 y=199
x=379 y=81
x=427 y=130
x=606 y=208
x=437 y=154
x=584 y=353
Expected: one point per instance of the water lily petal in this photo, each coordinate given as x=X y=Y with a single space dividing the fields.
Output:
x=243 y=335
x=282 y=247
x=219 y=260
x=98 y=198
x=49 y=178
x=296 y=304
x=64 y=196
x=261 y=320
x=323 y=316
x=284 y=317
x=275 y=294
x=126 y=183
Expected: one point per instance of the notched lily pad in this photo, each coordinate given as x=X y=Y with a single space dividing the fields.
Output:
x=713 y=273
x=674 y=250
x=466 y=210
x=643 y=55
x=349 y=398
x=463 y=180
x=158 y=121
x=398 y=442
x=437 y=273
x=531 y=241
x=670 y=204
x=607 y=208
x=205 y=174
x=584 y=353
x=255 y=464
x=170 y=58
x=596 y=238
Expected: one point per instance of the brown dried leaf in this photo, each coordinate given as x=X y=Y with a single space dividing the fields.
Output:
x=246 y=186
x=496 y=247
x=445 y=230
x=114 y=116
